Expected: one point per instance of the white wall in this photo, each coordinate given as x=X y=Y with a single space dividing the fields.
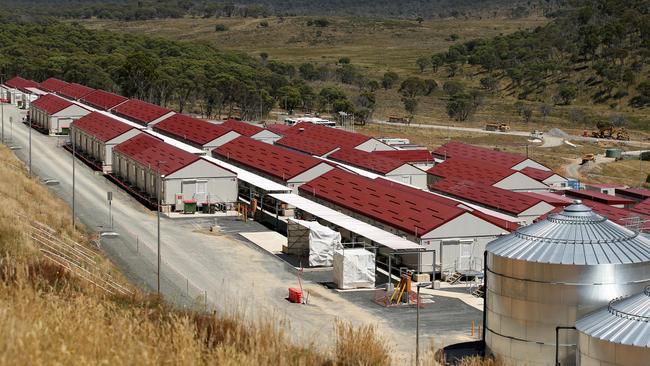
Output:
x=266 y=136
x=62 y=119
x=374 y=145
x=521 y=182
x=410 y=175
x=221 y=140
x=308 y=175
x=530 y=163
x=534 y=212
x=108 y=147
x=160 y=119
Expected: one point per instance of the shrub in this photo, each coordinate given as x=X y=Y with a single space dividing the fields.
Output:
x=220 y=27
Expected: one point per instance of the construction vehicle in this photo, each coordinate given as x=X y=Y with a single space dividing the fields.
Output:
x=503 y=127
x=607 y=131
x=588 y=157
x=399 y=119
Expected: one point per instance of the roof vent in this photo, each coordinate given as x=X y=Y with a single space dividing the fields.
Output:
x=301 y=129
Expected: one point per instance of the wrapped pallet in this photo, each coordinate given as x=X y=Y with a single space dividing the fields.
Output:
x=313 y=240
x=354 y=268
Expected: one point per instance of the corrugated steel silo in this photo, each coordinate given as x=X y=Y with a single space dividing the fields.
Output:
x=617 y=335
x=551 y=273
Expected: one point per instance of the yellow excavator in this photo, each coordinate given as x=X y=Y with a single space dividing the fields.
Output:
x=607 y=131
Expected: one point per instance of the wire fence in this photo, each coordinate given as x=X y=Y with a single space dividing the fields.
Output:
x=176 y=287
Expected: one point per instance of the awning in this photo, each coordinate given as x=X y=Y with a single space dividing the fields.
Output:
x=377 y=235
x=251 y=178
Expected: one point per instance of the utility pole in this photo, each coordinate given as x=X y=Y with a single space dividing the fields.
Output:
x=417 y=322
x=2 y=110
x=29 y=117
x=159 y=186
x=74 y=156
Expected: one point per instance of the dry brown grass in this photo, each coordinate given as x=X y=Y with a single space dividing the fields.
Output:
x=50 y=315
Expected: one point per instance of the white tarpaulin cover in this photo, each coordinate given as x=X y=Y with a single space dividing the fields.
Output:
x=354 y=268
x=322 y=243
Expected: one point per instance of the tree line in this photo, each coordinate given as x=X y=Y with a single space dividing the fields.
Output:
x=159 y=9
x=188 y=76
x=598 y=49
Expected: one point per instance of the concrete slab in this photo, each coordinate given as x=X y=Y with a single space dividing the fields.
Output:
x=270 y=241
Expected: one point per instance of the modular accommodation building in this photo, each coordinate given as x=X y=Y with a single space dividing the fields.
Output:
x=637 y=194
x=484 y=173
x=96 y=134
x=16 y=91
x=273 y=162
x=52 y=85
x=53 y=114
x=198 y=133
x=74 y=91
x=143 y=113
x=147 y=165
x=338 y=137
x=548 y=177
x=419 y=158
x=620 y=202
x=251 y=130
x=103 y=100
x=386 y=167
x=525 y=209
x=308 y=145
x=457 y=235
x=465 y=151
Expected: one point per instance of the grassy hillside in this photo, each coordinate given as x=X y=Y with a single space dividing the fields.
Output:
x=52 y=314
x=164 y=9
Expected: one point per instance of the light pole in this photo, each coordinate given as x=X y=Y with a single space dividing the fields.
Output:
x=74 y=155
x=29 y=117
x=159 y=190
x=417 y=323
x=109 y=198
x=2 y=110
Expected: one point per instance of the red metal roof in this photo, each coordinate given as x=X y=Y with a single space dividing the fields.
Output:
x=329 y=134
x=638 y=193
x=103 y=127
x=51 y=103
x=642 y=207
x=599 y=197
x=550 y=198
x=366 y=160
x=75 y=91
x=393 y=207
x=242 y=128
x=273 y=160
x=307 y=145
x=407 y=156
x=471 y=170
x=416 y=191
x=192 y=130
x=483 y=194
x=19 y=83
x=278 y=128
x=504 y=224
x=139 y=111
x=148 y=151
x=103 y=100
x=52 y=85
x=537 y=174
x=460 y=150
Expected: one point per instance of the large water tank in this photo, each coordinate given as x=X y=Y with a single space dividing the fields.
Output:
x=618 y=334
x=551 y=273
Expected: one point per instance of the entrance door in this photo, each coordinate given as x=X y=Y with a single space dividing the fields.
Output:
x=465 y=255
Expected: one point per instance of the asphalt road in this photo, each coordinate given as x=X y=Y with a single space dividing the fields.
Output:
x=230 y=272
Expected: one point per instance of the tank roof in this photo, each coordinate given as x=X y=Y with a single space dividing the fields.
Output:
x=626 y=320
x=575 y=236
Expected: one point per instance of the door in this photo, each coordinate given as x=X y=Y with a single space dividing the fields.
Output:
x=465 y=255
x=188 y=188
